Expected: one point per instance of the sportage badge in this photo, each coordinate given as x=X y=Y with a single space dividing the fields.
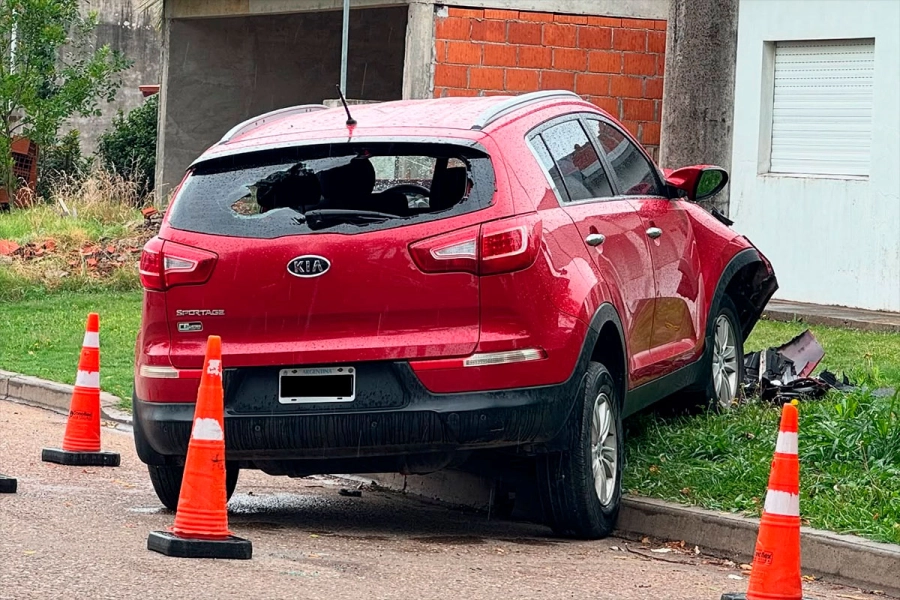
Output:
x=308 y=266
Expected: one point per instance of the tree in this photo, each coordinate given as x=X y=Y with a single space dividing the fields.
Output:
x=129 y=146
x=49 y=72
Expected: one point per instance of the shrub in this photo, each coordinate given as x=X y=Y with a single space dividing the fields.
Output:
x=129 y=146
x=61 y=162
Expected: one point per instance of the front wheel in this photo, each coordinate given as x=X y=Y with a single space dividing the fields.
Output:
x=166 y=480
x=581 y=487
x=727 y=357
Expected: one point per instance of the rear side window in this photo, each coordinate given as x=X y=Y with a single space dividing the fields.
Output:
x=637 y=176
x=575 y=162
x=338 y=188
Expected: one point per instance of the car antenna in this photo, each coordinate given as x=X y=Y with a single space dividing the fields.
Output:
x=350 y=120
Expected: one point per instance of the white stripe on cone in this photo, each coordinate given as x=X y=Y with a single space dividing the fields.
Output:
x=787 y=442
x=91 y=339
x=88 y=379
x=782 y=503
x=207 y=429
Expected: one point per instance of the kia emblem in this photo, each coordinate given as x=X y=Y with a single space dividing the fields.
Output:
x=308 y=266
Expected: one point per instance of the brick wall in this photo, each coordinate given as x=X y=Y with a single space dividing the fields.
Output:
x=615 y=63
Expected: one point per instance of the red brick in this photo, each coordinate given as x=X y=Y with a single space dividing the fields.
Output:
x=496 y=93
x=455 y=92
x=525 y=33
x=660 y=25
x=574 y=19
x=660 y=64
x=440 y=92
x=522 y=80
x=605 y=21
x=633 y=40
x=450 y=76
x=597 y=38
x=626 y=87
x=567 y=59
x=653 y=88
x=483 y=78
x=610 y=105
x=631 y=126
x=560 y=35
x=536 y=16
x=464 y=53
x=557 y=80
x=650 y=133
x=656 y=41
x=605 y=62
x=637 y=110
x=440 y=51
x=503 y=15
x=639 y=23
x=489 y=31
x=639 y=64
x=468 y=13
x=452 y=28
x=536 y=57
x=589 y=84
x=500 y=55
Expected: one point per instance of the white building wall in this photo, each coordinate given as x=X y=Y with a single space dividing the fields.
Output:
x=832 y=240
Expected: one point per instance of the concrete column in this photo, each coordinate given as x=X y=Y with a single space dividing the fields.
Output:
x=418 y=60
x=163 y=179
x=698 y=93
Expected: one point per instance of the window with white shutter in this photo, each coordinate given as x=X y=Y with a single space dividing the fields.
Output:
x=822 y=107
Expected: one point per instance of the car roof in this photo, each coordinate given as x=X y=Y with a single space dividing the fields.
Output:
x=469 y=118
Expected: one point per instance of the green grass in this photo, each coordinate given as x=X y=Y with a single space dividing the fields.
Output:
x=849 y=443
x=43 y=222
x=42 y=336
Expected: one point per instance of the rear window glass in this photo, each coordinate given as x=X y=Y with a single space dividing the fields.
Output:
x=334 y=188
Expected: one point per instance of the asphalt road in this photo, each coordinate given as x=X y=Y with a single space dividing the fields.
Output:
x=75 y=532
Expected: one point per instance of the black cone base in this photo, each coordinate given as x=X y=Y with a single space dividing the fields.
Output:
x=7 y=485
x=80 y=459
x=172 y=545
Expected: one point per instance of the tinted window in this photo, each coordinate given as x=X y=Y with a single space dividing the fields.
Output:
x=549 y=166
x=636 y=174
x=576 y=162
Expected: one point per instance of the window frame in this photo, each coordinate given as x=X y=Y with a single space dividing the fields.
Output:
x=562 y=196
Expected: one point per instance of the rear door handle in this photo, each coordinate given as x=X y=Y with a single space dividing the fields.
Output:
x=654 y=232
x=595 y=239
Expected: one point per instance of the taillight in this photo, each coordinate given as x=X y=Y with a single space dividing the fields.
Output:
x=510 y=245
x=496 y=247
x=166 y=264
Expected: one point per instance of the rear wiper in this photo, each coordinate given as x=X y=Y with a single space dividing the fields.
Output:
x=317 y=218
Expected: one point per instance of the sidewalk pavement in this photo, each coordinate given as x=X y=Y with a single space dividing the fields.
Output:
x=833 y=316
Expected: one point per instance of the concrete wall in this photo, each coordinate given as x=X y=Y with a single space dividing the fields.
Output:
x=832 y=240
x=222 y=71
x=130 y=30
x=615 y=63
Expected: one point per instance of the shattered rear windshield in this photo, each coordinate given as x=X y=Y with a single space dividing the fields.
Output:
x=334 y=188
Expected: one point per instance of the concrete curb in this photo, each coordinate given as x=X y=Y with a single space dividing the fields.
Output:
x=846 y=559
x=54 y=396
x=845 y=320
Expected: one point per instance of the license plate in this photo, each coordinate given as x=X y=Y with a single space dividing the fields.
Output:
x=315 y=385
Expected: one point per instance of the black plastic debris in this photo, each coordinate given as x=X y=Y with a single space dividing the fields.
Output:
x=784 y=373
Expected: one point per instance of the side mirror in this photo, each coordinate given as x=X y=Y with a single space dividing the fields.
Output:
x=698 y=181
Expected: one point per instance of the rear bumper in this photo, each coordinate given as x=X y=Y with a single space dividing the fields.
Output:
x=395 y=416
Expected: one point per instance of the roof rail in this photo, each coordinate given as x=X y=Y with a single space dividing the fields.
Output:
x=517 y=102
x=262 y=119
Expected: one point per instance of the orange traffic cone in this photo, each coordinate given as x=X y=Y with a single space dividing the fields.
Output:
x=776 y=561
x=201 y=520
x=81 y=443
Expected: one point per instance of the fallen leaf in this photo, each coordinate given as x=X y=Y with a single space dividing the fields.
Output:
x=313 y=535
x=733 y=576
x=696 y=549
x=661 y=550
x=686 y=491
x=616 y=548
x=30 y=552
x=654 y=469
x=746 y=567
x=645 y=540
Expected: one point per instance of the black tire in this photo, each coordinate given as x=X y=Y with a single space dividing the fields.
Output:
x=728 y=311
x=572 y=506
x=166 y=480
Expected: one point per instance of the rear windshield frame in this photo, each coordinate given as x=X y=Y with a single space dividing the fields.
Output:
x=201 y=211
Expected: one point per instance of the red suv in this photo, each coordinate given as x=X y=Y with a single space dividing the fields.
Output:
x=434 y=278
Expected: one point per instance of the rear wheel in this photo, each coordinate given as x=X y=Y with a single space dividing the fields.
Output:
x=166 y=480
x=581 y=487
